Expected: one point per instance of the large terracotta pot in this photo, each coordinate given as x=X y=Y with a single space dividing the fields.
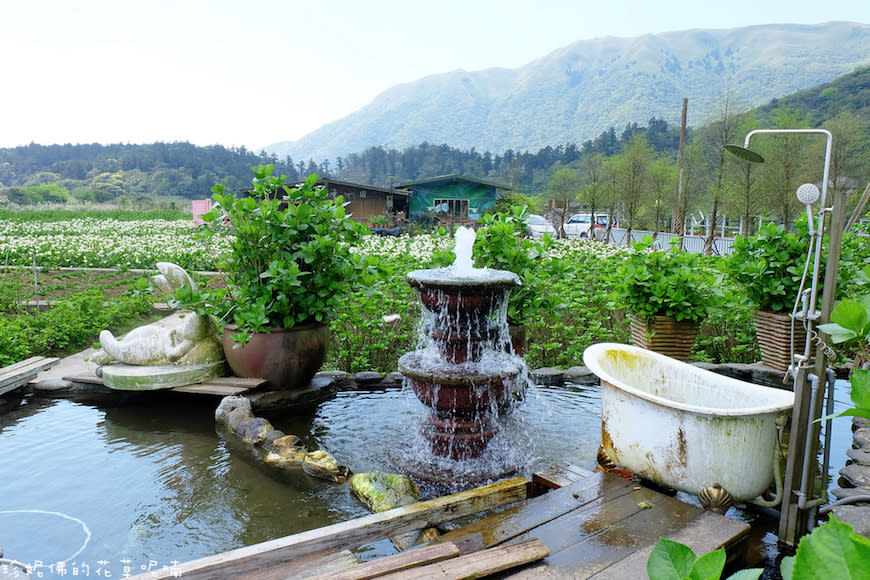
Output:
x=286 y=357
x=665 y=335
x=773 y=331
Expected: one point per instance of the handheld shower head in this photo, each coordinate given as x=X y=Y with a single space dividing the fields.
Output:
x=808 y=194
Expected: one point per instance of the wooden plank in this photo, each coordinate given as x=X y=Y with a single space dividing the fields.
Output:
x=238 y=382
x=478 y=564
x=610 y=529
x=328 y=563
x=704 y=534
x=388 y=564
x=352 y=533
x=556 y=477
x=210 y=389
x=221 y=386
x=32 y=365
x=87 y=379
x=21 y=373
x=517 y=520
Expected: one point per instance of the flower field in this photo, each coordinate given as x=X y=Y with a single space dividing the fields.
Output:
x=102 y=243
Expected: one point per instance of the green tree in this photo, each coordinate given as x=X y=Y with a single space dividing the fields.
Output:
x=786 y=163
x=722 y=131
x=562 y=188
x=593 y=192
x=631 y=172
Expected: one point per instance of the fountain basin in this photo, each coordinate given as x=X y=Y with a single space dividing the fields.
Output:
x=462 y=389
x=685 y=427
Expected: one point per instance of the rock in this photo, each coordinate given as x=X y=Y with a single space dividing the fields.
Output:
x=319 y=389
x=253 y=430
x=856 y=475
x=860 y=456
x=859 y=422
x=394 y=378
x=287 y=444
x=367 y=378
x=844 y=492
x=287 y=451
x=862 y=437
x=323 y=465
x=381 y=491
x=581 y=376
x=547 y=376
x=228 y=405
x=857 y=516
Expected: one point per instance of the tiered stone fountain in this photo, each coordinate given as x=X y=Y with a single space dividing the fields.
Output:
x=464 y=370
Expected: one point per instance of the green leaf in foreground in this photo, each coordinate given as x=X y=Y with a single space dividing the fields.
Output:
x=833 y=550
x=670 y=560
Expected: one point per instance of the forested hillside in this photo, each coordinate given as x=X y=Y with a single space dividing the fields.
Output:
x=578 y=91
x=142 y=174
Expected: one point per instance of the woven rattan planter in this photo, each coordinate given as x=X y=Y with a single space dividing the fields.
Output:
x=665 y=335
x=773 y=331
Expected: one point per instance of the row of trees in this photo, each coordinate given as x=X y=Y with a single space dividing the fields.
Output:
x=650 y=190
x=134 y=173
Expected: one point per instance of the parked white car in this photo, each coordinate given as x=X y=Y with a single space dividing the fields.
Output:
x=537 y=226
x=580 y=225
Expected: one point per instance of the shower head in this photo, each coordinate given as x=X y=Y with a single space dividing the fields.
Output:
x=744 y=153
x=808 y=194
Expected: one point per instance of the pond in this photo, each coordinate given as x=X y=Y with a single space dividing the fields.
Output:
x=125 y=489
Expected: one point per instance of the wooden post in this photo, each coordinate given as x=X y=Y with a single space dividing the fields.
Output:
x=793 y=521
x=678 y=214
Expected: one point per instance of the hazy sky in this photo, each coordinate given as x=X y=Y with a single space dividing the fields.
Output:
x=254 y=72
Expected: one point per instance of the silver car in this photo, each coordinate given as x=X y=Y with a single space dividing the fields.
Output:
x=537 y=226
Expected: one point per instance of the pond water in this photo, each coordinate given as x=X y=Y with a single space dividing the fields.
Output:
x=124 y=489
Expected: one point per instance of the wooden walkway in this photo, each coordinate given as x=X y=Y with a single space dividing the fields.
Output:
x=591 y=525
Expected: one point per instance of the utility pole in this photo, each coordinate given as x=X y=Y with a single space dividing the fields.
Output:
x=678 y=213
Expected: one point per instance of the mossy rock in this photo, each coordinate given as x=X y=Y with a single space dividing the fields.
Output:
x=381 y=491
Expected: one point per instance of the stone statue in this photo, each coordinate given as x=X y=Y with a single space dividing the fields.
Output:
x=192 y=341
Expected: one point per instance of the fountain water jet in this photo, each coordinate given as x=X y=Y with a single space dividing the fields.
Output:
x=464 y=370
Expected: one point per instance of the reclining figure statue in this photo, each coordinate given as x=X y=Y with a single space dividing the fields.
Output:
x=193 y=341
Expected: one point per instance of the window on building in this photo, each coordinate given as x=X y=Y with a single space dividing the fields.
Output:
x=455 y=208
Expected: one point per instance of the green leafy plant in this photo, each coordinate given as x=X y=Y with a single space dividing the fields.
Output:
x=290 y=258
x=832 y=550
x=667 y=283
x=502 y=245
x=769 y=267
x=672 y=560
x=850 y=324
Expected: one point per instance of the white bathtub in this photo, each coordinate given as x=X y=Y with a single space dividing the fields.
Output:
x=685 y=427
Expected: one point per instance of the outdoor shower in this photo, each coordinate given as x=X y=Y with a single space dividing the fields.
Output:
x=797 y=502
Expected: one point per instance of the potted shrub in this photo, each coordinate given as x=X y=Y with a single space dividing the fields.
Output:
x=289 y=264
x=768 y=267
x=666 y=294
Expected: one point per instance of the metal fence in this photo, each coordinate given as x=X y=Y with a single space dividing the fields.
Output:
x=694 y=244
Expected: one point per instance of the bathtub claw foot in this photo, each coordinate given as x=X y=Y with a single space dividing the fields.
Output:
x=714 y=498
x=604 y=460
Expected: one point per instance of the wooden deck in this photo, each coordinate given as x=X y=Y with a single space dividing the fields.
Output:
x=588 y=525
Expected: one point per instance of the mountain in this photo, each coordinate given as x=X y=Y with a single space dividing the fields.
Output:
x=576 y=92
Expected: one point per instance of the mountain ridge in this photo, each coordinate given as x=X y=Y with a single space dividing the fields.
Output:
x=577 y=91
